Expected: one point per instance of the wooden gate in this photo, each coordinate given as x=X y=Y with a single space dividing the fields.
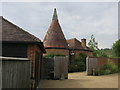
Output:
x=60 y=67
x=91 y=63
x=56 y=68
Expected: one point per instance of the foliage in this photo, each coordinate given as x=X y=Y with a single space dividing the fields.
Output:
x=116 y=49
x=51 y=56
x=107 y=69
x=92 y=43
x=79 y=64
x=101 y=53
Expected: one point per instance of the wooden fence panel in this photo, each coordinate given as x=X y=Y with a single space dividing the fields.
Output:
x=91 y=64
x=56 y=68
x=60 y=67
x=16 y=73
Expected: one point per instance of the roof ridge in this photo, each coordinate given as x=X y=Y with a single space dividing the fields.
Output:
x=31 y=35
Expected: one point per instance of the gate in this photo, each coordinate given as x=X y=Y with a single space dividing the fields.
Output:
x=56 y=68
x=60 y=67
x=91 y=63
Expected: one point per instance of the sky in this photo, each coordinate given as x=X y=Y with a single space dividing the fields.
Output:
x=77 y=19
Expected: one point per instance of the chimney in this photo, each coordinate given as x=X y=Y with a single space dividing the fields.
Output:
x=83 y=43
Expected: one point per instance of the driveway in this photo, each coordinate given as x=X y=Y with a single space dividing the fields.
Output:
x=81 y=80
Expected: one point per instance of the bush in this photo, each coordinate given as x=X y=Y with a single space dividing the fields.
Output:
x=107 y=69
x=79 y=64
x=104 y=72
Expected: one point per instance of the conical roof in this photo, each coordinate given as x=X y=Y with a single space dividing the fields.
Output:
x=54 y=37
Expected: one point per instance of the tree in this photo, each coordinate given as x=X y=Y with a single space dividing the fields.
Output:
x=94 y=46
x=101 y=53
x=92 y=43
x=116 y=49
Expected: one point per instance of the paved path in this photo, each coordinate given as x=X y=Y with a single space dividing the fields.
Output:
x=81 y=80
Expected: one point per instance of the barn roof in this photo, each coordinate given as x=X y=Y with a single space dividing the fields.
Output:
x=54 y=36
x=11 y=32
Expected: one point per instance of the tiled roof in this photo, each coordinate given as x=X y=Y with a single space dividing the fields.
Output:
x=74 y=44
x=54 y=36
x=11 y=32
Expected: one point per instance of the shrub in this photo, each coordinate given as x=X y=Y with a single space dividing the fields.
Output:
x=104 y=72
x=79 y=64
x=107 y=69
x=97 y=71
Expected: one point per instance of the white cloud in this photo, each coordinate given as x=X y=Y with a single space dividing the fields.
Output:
x=78 y=20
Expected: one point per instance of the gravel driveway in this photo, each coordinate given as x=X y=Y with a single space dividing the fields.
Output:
x=81 y=80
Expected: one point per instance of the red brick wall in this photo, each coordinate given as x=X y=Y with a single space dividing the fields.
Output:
x=86 y=52
x=31 y=55
x=57 y=52
x=102 y=61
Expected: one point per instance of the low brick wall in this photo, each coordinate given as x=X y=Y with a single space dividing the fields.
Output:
x=57 y=51
x=102 y=61
x=98 y=62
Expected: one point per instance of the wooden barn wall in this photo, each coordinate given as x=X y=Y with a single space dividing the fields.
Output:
x=14 y=50
x=16 y=73
x=0 y=74
x=0 y=54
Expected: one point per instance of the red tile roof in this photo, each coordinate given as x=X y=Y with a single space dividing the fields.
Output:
x=11 y=32
x=74 y=44
x=54 y=36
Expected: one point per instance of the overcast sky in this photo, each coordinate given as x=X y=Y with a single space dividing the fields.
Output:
x=77 y=19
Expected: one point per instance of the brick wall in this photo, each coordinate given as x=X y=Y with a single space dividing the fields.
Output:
x=98 y=62
x=102 y=61
x=57 y=51
x=86 y=52
x=31 y=52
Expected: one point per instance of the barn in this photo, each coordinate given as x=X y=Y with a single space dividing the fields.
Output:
x=17 y=42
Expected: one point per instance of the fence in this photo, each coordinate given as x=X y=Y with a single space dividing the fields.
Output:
x=16 y=72
x=97 y=62
x=56 y=68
